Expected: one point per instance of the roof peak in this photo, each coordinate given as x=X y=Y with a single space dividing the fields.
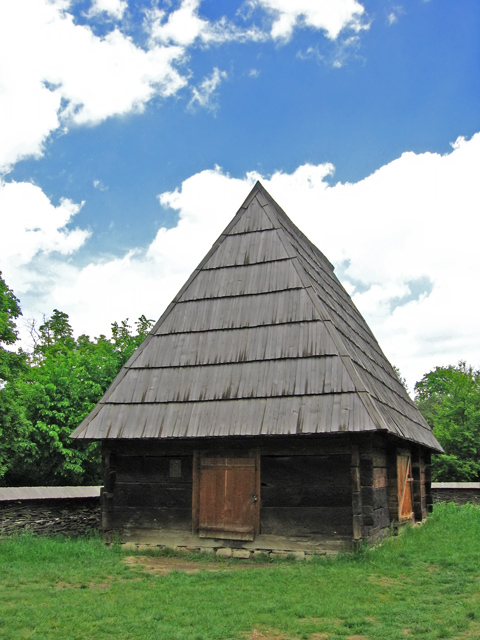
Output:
x=261 y=340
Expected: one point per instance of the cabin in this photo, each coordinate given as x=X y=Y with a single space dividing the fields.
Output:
x=260 y=413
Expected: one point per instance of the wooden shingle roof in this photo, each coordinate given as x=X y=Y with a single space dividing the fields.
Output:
x=261 y=340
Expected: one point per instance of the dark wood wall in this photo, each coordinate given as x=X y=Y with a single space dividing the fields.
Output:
x=375 y=485
x=152 y=492
x=306 y=494
x=342 y=485
x=370 y=470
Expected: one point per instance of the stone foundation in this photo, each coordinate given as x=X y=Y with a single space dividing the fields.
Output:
x=264 y=546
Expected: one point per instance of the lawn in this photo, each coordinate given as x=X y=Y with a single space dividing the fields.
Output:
x=423 y=584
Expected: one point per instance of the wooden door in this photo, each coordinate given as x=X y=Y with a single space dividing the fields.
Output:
x=228 y=500
x=405 y=481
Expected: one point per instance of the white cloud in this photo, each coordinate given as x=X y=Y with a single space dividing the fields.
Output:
x=98 y=184
x=394 y=15
x=59 y=73
x=404 y=241
x=414 y=221
x=184 y=26
x=32 y=229
x=113 y=8
x=204 y=95
x=330 y=17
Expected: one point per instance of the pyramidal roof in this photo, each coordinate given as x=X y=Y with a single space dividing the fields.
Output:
x=261 y=340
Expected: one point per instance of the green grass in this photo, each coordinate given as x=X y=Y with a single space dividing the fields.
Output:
x=424 y=584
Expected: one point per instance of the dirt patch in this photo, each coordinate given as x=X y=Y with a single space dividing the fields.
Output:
x=473 y=632
x=268 y=635
x=162 y=566
x=383 y=581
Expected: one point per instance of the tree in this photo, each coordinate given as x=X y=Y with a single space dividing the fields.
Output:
x=64 y=381
x=449 y=399
x=14 y=426
x=10 y=361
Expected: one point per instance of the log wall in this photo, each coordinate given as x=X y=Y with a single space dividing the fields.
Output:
x=146 y=491
x=306 y=495
x=343 y=486
x=372 y=469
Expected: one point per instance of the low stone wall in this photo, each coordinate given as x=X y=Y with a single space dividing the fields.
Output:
x=73 y=517
x=458 y=492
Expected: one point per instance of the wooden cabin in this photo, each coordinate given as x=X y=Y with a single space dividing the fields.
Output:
x=260 y=412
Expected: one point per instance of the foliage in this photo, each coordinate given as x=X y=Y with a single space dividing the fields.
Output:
x=10 y=362
x=14 y=426
x=422 y=584
x=449 y=399
x=45 y=399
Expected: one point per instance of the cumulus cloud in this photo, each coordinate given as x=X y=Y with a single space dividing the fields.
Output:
x=404 y=242
x=204 y=95
x=330 y=17
x=60 y=73
x=184 y=26
x=32 y=229
x=113 y=8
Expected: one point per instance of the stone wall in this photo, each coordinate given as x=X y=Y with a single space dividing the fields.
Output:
x=458 y=492
x=73 y=517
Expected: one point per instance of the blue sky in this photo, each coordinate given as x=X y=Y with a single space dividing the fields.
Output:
x=131 y=132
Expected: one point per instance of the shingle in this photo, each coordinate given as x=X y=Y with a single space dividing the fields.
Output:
x=261 y=340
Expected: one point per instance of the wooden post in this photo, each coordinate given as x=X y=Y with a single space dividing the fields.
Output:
x=356 y=497
x=195 y=491
x=419 y=494
x=106 y=494
x=428 y=481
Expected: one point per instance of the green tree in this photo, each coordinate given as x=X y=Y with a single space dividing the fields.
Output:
x=14 y=426
x=449 y=399
x=10 y=361
x=64 y=381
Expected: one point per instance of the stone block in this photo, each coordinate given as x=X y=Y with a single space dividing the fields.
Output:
x=224 y=552
x=243 y=554
x=207 y=550
x=298 y=555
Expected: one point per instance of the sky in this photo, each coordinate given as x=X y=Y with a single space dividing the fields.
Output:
x=131 y=131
